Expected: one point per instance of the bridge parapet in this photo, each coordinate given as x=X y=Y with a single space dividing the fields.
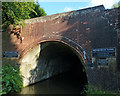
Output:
x=66 y=14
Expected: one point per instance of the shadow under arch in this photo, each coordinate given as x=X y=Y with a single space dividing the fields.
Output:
x=51 y=55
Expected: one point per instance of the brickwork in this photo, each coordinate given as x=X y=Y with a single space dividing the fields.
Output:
x=83 y=30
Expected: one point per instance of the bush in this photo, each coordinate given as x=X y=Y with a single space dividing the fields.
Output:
x=11 y=80
x=1 y=92
x=13 y=12
x=96 y=91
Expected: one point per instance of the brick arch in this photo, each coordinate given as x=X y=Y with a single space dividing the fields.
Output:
x=76 y=47
x=30 y=55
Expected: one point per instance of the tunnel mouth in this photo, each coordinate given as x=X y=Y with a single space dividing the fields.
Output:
x=62 y=59
x=50 y=59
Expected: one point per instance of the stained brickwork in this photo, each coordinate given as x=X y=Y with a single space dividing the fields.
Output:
x=87 y=29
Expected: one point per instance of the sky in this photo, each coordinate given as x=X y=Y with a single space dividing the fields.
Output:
x=60 y=6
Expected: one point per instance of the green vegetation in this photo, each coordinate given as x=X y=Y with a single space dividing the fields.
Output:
x=11 y=79
x=116 y=5
x=13 y=12
x=1 y=92
x=91 y=90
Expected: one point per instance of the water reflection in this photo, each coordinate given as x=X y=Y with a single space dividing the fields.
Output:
x=61 y=84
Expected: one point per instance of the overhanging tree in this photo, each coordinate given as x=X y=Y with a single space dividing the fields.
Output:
x=13 y=12
x=116 y=5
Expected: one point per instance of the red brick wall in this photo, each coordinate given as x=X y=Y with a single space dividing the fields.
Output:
x=89 y=28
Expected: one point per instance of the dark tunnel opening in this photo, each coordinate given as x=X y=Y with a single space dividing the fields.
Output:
x=59 y=59
x=53 y=67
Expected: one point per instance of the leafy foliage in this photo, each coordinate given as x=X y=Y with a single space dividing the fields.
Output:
x=116 y=5
x=96 y=91
x=13 y=12
x=1 y=92
x=38 y=10
x=11 y=80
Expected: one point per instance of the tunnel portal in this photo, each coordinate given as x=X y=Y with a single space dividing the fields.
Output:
x=49 y=59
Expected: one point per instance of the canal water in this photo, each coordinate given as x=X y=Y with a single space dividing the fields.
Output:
x=61 y=84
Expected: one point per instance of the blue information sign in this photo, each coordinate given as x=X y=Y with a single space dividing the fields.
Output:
x=104 y=52
x=10 y=54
